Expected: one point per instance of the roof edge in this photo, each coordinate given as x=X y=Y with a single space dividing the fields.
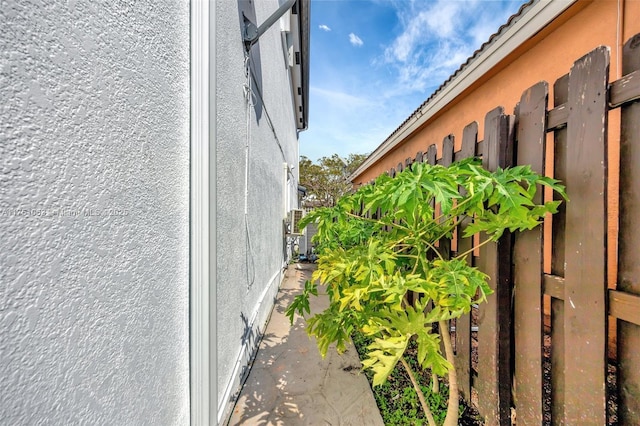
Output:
x=529 y=21
x=305 y=36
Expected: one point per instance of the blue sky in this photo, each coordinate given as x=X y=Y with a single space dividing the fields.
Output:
x=373 y=62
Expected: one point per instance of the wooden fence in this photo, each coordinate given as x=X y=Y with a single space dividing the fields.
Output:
x=558 y=373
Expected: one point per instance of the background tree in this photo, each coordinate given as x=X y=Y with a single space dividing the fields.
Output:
x=327 y=180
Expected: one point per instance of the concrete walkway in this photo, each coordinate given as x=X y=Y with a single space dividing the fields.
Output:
x=290 y=384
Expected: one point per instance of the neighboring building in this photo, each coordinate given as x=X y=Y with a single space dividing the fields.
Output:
x=540 y=42
x=252 y=250
x=142 y=202
x=305 y=243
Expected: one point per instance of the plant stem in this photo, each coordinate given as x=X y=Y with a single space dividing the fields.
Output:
x=411 y=256
x=472 y=249
x=451 y=227
x=379 y=222
x=431 y=245
x=416 y=386
x=415 y=266
x=453 y=210
x=452 y=406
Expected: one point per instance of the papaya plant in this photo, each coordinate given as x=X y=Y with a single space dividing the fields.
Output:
x=385 y=275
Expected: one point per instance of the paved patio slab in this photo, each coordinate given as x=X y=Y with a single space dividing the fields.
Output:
x=290 y=384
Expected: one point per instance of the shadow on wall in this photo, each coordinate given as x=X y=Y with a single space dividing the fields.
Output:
x=247 y=10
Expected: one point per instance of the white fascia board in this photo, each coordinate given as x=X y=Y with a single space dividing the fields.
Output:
x=296 y=72
x=539 y=15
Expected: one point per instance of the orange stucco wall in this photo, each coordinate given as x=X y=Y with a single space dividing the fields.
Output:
x=547 y=56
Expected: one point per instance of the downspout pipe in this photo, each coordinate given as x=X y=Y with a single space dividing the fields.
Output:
x=253 y=33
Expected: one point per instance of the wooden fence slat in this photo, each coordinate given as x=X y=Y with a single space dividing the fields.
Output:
x=494 y=317
x=560 y=96
x=557 y=117
x=585 y=239
x=431 y=154
x=528 y=312
x=626 y=89
x=447 y=151
x=626 y=306
x=554 y=286
x=469 y=140
x=622 y=305
x=408 y=162
x=444 y=244
x=629 y=244
x=463 y=324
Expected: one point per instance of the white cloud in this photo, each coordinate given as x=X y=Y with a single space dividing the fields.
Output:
x=341 y=100
x=355 y=40
x=420 y=27
x=435 y=38
x=323 y=27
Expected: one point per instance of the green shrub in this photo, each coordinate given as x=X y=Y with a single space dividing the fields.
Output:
x=379 y=245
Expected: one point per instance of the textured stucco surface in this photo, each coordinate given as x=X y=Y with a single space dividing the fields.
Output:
x=251 y=249
x=94 y=221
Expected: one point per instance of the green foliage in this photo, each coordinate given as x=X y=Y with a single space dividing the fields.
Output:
x=301 y=304
x=326 y=180
x=396 y=398
x=379 y=243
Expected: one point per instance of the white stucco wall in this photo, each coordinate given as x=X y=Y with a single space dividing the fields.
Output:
x=94 y=220
x=251 y=249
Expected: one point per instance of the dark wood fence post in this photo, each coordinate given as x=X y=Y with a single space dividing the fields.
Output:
x=463 y=324
x=431 y=154
x=447 y=151
x=444 y=246
x=494 y=317
x=560 y=97
x=629 y=246
x=585 y=249
x=528 y=307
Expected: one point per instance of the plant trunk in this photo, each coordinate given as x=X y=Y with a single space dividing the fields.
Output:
x=452 y=406
x=416 y=386
x=435 y=387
